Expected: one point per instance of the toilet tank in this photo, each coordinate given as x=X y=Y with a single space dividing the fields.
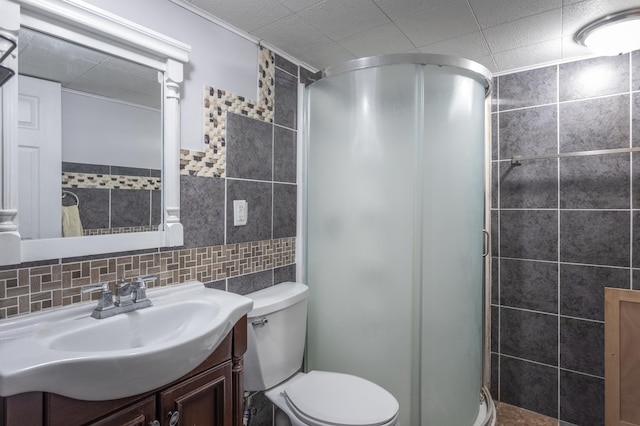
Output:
x=276 y=333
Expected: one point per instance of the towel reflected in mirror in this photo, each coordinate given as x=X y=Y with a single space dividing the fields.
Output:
x=71 y=224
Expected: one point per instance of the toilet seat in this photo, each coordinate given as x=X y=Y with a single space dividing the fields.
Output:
x=323 y=398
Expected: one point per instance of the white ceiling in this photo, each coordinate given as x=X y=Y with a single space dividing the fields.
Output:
x=86 y=70
x=503 y=35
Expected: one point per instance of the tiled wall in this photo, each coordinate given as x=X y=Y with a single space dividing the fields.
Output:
x=113 y=199
x=53 y=284
x=260 y=167
x=563 y=229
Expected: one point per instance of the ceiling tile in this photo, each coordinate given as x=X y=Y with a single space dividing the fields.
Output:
x=293 y=35
x=246 y=14
x=332 y=54
x=526 y=56
x=341 y=19
x=468 y=46
x=52 y=65
x=495 y=12
x=577 y=15
x=488 y=62
x=396 y=9
x=106 y=81
x=440 y=23
x=526 y=31
x=377 y=41
x=297 y=5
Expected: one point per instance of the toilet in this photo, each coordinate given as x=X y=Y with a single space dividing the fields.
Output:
x=275 y=347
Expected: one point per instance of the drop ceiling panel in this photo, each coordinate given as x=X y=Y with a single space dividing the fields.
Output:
x=488 y=62
x=246 y=14
x=451 y=20
x=331 y=54
x=540 y=53
x=43 y=63
x=396 y=9
x=468 y=46
x=526 y=31
x=293 y=35
x=380 y=40
x=495 y=12
x=501 y=34
x=297 y=5
x=340 y=19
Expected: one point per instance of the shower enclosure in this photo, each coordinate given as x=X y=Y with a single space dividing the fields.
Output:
x=395 y=161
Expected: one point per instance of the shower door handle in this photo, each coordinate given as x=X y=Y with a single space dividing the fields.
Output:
x=485 y=237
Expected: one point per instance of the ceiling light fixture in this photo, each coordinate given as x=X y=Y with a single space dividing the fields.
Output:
x=613 y=34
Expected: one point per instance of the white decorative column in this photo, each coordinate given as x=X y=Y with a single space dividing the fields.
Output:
x=172 y=78
x=9 y=235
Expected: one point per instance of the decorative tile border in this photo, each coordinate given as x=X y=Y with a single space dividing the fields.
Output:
x=29 y=290
x=104 y=181
x=212 y=161
x=266 y=80
x=121 y=230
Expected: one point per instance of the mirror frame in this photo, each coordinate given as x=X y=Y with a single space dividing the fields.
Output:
x=85 y=24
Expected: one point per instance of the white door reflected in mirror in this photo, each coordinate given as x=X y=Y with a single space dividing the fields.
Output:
x=40 y=157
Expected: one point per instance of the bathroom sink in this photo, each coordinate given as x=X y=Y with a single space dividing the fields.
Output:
x=68 y=352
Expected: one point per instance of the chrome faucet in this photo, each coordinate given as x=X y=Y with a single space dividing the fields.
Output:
x=105 y=303
x=123 y=294
x=130 y=296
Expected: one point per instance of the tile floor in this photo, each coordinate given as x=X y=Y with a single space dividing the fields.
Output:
x=508 y=415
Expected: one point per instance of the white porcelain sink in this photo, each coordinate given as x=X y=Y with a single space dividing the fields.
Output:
x=68 y=352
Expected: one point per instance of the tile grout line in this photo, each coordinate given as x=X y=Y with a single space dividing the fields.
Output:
x=558 y=204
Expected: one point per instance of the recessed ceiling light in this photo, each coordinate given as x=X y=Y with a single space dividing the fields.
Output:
x=612 y=34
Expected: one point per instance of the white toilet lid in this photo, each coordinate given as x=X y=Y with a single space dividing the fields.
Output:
x=341 y=399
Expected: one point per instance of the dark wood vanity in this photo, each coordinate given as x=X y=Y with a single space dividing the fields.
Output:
x=209 y=395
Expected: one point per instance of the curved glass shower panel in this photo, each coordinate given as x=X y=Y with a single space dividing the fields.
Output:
x=395 y=198
x=452 y=168
x=361 y=202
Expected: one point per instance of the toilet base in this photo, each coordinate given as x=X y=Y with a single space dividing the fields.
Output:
x=276 y=396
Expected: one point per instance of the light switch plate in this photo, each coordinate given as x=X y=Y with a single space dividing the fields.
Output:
x=240 y=210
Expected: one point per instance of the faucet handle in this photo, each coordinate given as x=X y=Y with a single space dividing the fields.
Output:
x=106 y=297
x=140 y=287
x=150 y=277
x=90 y=288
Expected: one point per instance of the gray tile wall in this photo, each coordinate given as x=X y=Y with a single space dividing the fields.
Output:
x=563 y=229
x=261 y=169
x=114 y=208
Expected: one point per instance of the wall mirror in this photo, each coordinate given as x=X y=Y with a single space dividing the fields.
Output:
x=90 y=135
x=97 y=133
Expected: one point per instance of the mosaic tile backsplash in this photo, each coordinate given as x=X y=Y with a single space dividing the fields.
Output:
x=212 y=161
x=27 y=290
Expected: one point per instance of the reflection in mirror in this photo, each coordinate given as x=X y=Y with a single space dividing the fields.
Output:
x=90 y=141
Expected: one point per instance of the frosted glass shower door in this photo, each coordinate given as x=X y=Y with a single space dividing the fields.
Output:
x=452 y=167
x=360 y=236
x=394 y=242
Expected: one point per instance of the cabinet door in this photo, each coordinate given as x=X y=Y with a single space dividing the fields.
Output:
x=141 y=414
x=203 y=400
x=622 y=357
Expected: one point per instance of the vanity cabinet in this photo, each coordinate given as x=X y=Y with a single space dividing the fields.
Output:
x=209 y=395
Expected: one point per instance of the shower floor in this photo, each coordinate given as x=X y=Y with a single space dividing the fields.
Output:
x=508 y=415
